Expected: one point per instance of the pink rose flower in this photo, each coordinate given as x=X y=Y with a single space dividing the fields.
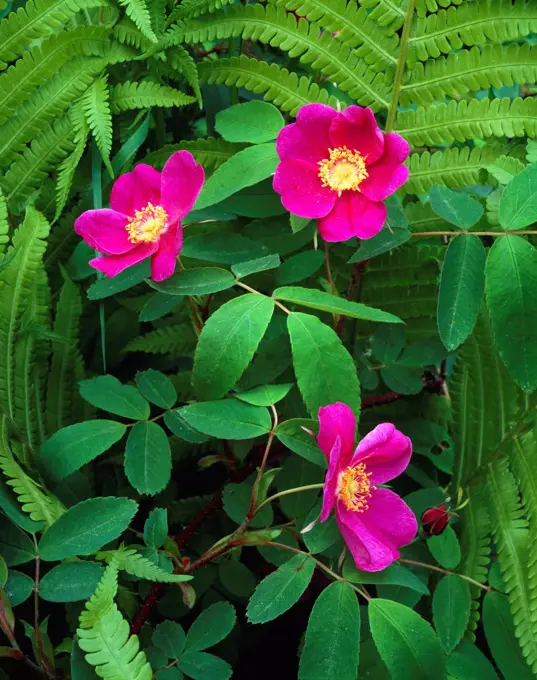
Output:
x=338 y=167
x=374 y=522
x=143 y=221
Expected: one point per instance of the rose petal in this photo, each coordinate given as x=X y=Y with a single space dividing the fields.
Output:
x=369 y=551
x=352 y=215
x=105 y=230
x=163 y=262
x=388 y=173
x=331 y=479
x=134 y=190
x=182 y=179
x=114 y=264
x=308 y=139
x=385 y=451
x=337 y=420
x=301 y=189
x=357 y=129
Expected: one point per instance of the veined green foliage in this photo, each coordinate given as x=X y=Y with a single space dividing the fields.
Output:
x=190 y=9
x=96 y=107
x=182 y=62
x=274 y=26
x=453 y=167
x=389 y=14
x=67 y=168
x=4 y=224
x=129 y=95
x=37 y=19
x=423 y=7
x=127 y=33
x=470 y=71
x=133 y=563
x=466 y=120
x=176 y=340
x=477 y=23
x=210 y=152
x=351 y=24
x=103 y=598
x=283 y=88
x=138 y=12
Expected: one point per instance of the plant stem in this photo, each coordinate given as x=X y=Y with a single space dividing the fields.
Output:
x=253 y=290
x=42 y=656
x=96 y=182
x=400 y=69
x=446 y=571
x=298 y=489
x=476 y=233
x=329 y=269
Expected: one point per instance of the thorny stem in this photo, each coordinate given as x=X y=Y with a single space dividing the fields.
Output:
x=446 y=571
x=298 y=489
x=400 y=69
x=253 y=290
x=323 y=566
x=527 y=232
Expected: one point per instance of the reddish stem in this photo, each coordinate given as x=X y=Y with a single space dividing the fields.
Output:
x=379 y=399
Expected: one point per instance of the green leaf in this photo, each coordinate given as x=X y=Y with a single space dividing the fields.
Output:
x=298 y=472
x=318 y=299
x=298 y=223
x=15 y=546
x=510 y=284
x=170 y=637
x=237 y=578
x=461 y=289
x=203 y=666
x=75 y=445
x=467 y=662
x=156 y=388
x=18 y=588
x=387 y=342
x=236 y=501
x=384 y=241
x=291 y=434
x=225 y=248
x=156 y=528
x=322 y=535
x=394 y=575
x=451 y=610
x=265 y=395
x=227 y=419
x=212 y=625
x=70 y=582
x=332 y=643
x=299 y=267
x=501 y=638
x=158 y=306
x=245 y=168
x=200 y=281
x=324 y=369
x=180 y=428
x=228 y=342
x=3 y=572
x=128 y=278
x=148 y=458
x=279 y=591
x=518 y=204
x=80 y=668
x=107 y=393
x=406 y=642
x=86 y=527
x=456 y=208
x=253 y=122
x=445 y=548
x=403 y=379
x=260 y=264
x=12 y=508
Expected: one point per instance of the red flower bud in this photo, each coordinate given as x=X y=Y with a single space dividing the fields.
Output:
x=435 y=520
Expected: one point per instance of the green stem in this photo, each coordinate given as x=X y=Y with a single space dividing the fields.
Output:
x=477 y=233
x=253 y=290
x=298 y=489
x=96 y=184
x=400 y=69
x=446 y=571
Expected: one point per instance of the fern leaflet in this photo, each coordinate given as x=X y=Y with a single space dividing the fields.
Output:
x=177 y=340
x=388 y=13
x=133 y=563
x=95 y=104
x=129 y=95
x=68 y=167
x=190 y=9
x=182 y=62
x=138 y=12
x=425 y=6
x=4 y=224
x=210 y=152
x=127 y=33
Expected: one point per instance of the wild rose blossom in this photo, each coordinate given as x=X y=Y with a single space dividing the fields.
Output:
x=338 y=166
x=374 y=521
x=144 y=219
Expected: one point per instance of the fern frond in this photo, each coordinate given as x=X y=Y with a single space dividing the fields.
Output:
x=511 y=534
x=62 y=386
x=182 y=62
x=129 y=95
x=453 y=167
x=210 y=152
x=37 y=19
x=352 y=25
x=176 y=339
x=475 y=546
x=45 y=60
x=504 y=168
x=96 y=106
x=523 y=463
x=30 y=168
x=388 y=13
x=102 y=599
x=4 y=224
x=465 y=120
x=138 y=12
x=300 y=40
x=469 y=71
x=423 y=7
x=67 y=168
x=129 y=560
x=127 y=33
x=190 y=9
x=284 y=89
x=49 y=101
x=479 y=23
x=422 y=218
x=157 y=15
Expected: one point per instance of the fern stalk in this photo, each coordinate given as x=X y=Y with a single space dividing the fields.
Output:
x=400 y=68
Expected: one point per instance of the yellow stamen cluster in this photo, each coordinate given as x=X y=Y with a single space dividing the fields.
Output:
x=343 y=170
x=148 y=224
x=355 y=488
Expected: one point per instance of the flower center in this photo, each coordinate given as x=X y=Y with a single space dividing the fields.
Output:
x=148 y=224
x=354 y=488
x=345 y=169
